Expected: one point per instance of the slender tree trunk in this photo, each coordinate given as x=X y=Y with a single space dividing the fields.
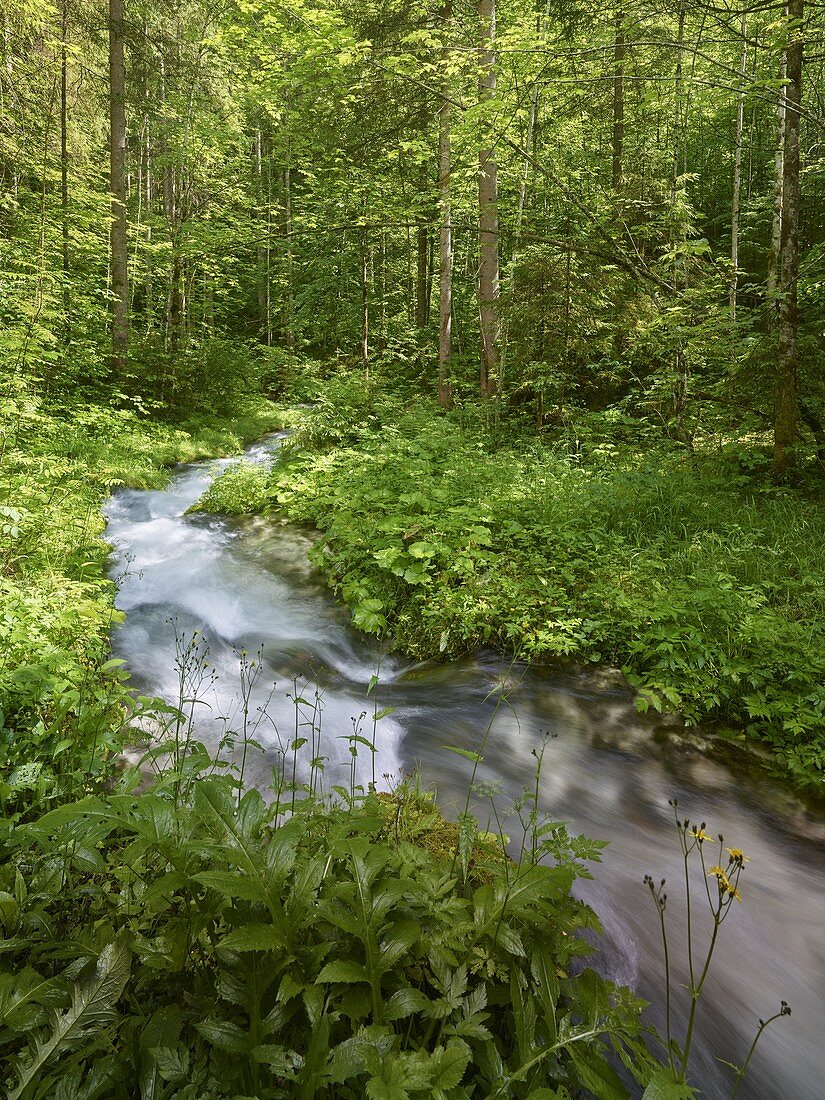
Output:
x=64 y=173
x=363 y=265
x=618 y=101
x=542 y=17
x=117 y=186
x=529 y=143
x=289 y=328
x=262 y=245
x=175 y=303
x=445 y=232
x=148 y=279
x=209 y=305
x=431 y=247
x=785 y=411
x=679 y=93
x=737 y=173
x=382 y=293
x=778 y=182
x=422 y=296
x=488 y=273
x=754 y=132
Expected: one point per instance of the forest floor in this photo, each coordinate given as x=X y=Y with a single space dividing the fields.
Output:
x=692 y=572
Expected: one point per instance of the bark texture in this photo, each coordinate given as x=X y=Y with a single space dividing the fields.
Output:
x=785 y=409
x=117 y=186
x=488 y=273
x=618 y=101
x=445 y=232
x=737 y=173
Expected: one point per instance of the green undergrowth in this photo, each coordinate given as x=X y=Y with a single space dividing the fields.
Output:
x=196 y=942
x=166 y=933
x=705 y=583
x=59 y=695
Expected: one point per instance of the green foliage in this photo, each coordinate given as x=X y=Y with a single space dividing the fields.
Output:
x=212 y=377
x=239 y=490
x=703 y=583
x=330 y=952
x=61 y=699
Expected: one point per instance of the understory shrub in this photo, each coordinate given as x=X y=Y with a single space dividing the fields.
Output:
x=201 y=943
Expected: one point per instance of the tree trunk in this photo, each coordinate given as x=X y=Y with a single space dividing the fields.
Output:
x=679 y=93
x=363 y=266
x=618 y=102
x=289 y=327
x=262 y=198
x=778 y=180
x=785 y=409
x=175 y=303
x=445 y=233
x=422 y=296
x=117 y=186
x=529 y=155
x=149 y=306
x=64 y=174
x=542 y=17
x=737 y=174
x=488 y=270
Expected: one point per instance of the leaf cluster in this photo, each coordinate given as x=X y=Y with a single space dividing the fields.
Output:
x=218 y=946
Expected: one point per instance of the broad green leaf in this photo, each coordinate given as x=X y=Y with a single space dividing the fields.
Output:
x=224 y=1035
x=596 y=1075
x=282 y=1062
x=404 y=1002
x=231 y=885
x=450 y=1064
x=664 y=1086
x=342 y=970
x=92 y=1009
x=254 y=937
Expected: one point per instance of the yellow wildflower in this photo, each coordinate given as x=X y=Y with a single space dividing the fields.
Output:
x=721 y=878
x=724 y=883
x=737 y=855
x=698 y=833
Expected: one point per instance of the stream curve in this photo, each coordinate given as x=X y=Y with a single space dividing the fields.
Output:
x=245 y=585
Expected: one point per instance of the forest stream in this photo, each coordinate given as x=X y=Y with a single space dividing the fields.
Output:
x=607 y=771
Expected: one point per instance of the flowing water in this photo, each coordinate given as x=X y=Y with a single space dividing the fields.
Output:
x=607 y=771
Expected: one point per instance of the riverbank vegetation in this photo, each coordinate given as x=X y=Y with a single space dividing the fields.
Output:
x=203 y=943
x=604 y=542
x=60 y=459
x=552 y=276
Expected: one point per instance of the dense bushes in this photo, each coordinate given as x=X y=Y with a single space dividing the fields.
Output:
x=200 y=941
x=704 y=583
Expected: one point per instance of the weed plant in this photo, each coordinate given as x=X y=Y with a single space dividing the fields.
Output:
x=702 y=582
x=720 y=889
